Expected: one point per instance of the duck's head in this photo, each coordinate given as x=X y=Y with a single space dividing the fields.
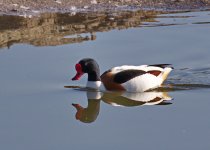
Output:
x=89 y=66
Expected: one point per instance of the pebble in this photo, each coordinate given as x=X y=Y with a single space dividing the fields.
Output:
x=93 y=2
x=15 y=5
x=24 y=7
x=86 y=7
x=35 y=11
x=58 y=1
x=73 y=8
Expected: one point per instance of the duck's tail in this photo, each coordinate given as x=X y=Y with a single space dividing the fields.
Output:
x=165 y=73
x=166 y=70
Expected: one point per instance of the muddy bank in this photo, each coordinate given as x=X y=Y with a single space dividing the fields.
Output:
x=32 y=7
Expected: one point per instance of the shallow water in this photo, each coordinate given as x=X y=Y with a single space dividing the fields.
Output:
x=36 y=109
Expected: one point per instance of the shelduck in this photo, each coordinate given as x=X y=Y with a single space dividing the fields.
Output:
x=90 y=113
x=123 y=78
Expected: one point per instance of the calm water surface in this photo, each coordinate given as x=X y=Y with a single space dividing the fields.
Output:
x=36 y=111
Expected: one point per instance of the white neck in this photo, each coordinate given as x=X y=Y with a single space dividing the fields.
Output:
x=98 y=85
x=94 y=95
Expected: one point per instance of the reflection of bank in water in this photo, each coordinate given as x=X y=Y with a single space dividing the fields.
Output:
x=52 y=29
x=90 y=113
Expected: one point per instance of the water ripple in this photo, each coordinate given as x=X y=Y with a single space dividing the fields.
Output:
x=187 y=79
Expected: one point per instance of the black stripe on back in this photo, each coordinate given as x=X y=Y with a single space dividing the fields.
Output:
x=127 y=75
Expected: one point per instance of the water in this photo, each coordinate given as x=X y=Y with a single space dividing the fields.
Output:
x=37 y=111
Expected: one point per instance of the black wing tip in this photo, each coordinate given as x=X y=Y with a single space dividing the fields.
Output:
x=162 y=65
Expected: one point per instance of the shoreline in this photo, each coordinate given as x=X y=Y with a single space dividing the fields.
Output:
x=31 y=8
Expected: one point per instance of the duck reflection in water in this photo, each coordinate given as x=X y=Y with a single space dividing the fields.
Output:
x=123 y=99
x=89 y=114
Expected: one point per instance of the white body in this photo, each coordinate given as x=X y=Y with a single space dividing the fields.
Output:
x=146 y=97
x=140 y=83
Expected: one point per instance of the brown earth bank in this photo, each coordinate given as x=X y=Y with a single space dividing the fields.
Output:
x=32 y=7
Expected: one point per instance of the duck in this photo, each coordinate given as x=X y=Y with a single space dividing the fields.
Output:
x=127 y=78
x=90 y=113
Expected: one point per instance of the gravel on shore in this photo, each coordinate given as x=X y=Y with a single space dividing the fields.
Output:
x=32 y=7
